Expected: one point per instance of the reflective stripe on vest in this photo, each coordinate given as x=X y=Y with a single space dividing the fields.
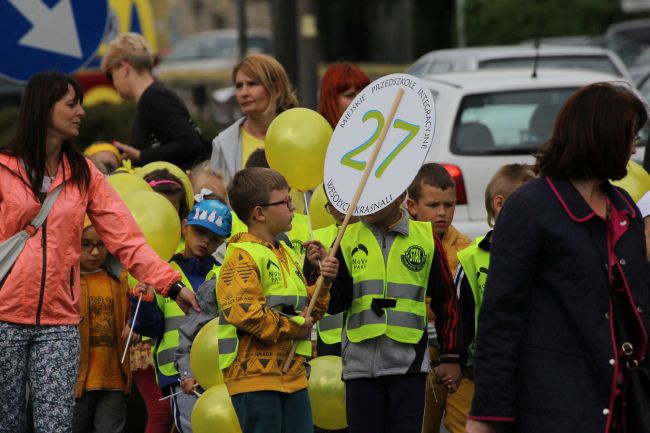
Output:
x=475 y=262
x=283 y=289
x=174 y=318
x=330 y=328
x=402 y=278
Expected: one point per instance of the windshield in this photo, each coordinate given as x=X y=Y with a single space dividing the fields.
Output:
x=203 y=48
x=591 y=63
x=507 y=122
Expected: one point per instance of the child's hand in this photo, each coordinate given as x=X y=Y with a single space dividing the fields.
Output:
x=449 y=376
x=186 y=299
x=135 y=338
x=315 y=252
x=128 y=152
x=329 y=268
x=188 y=385
x=147 y=292
x=305 y=329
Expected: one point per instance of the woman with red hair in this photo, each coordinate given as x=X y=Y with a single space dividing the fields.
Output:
x=341 y=83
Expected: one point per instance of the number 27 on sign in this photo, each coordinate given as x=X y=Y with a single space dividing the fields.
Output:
x=410 y=128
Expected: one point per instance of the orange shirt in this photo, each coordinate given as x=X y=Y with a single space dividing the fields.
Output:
x=104 y=371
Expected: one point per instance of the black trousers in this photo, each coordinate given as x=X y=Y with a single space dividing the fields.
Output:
x=389 y=404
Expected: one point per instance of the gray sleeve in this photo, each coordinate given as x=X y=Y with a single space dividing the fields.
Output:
x=207 y=297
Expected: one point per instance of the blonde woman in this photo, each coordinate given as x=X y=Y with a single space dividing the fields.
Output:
x=263 y=91
x=162 y=129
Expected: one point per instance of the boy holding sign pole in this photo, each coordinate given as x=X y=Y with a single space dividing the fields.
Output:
x=388 y=263
x=262 y=297
x=385 y=360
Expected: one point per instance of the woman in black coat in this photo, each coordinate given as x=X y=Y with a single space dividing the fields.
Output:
x=547 y=354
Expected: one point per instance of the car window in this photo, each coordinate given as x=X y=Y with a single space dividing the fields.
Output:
x=591 y=63
x=439 y=67
x=501 y=123
x=418 y=68
x=202 y=48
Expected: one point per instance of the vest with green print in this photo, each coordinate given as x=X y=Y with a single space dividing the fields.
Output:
x=402 y=279
x=475 y=262
x=174 y=318
x=282 y=292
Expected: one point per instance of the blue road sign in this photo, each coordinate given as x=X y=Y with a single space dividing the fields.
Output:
x=49 y=35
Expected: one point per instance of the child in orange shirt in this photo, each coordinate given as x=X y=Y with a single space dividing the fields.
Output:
x=102 y=381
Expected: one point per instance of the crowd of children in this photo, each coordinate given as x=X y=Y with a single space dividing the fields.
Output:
x=259 y=291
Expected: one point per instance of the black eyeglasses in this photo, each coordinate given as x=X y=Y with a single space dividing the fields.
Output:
x=109 y=74
x=88 y=245
x=287 y=201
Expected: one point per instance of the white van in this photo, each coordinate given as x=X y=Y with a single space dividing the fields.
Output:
x=485 y=119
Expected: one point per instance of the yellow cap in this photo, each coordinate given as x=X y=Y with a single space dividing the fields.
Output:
x=87 y=222
x=102 y=147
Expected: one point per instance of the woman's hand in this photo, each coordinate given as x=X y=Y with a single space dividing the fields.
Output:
x=128 y=152
x=479 y=427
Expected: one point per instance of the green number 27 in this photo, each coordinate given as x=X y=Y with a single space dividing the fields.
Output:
x=399 y=124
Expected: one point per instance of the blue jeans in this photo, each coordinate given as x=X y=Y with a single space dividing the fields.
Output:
x=273 y=412
x=47 y=357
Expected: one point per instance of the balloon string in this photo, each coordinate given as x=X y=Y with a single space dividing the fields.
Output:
x=128 y=340
x=311 y=229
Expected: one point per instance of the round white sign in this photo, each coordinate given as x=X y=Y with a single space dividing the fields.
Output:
x=402 y=153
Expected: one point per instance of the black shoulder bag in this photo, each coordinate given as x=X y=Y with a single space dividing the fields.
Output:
x=637 y=387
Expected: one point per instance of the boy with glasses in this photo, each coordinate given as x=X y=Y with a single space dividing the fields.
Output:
x=102 y=382
x=262 y=296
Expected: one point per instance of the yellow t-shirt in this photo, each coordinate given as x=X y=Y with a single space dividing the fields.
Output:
x=104 y=371
x=249 y=144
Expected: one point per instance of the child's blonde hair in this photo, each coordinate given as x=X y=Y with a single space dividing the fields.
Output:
x=132 y=48
x=506 y=180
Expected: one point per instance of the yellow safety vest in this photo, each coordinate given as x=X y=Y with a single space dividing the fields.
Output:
x=330 y=326
x=475 y=262
x=298 y=234
x=281 y=289
x=174 y=318
x=388 y=297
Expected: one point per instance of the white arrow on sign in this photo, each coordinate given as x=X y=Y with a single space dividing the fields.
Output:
x=52 y=29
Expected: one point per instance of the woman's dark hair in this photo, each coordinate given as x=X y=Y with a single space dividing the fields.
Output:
x=593 y=134
x=43 y=91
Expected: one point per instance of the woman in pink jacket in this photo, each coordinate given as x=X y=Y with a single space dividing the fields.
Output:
x=39 y=308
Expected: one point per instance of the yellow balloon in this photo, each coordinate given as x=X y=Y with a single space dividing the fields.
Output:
x=327 y=393
x=125 y=183
x=158 y=220
x=319 y=216
x=204 y=356
x=296 y=144
x=637 y=181
x=176 y=171
x=213 y=412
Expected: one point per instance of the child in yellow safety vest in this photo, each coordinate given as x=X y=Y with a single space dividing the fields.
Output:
x=474 y=262
x=205 y=228
x=261 y=293
x=389 y=264
x=432 y=197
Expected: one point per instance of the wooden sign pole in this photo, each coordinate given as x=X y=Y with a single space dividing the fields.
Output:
x=348 y=215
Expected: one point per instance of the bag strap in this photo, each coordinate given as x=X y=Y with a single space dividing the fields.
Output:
x=45 y=208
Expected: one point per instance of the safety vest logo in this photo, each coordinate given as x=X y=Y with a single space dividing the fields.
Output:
x=414 y=258
x=297 y=246
x=274 y=274
x=359 y=257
